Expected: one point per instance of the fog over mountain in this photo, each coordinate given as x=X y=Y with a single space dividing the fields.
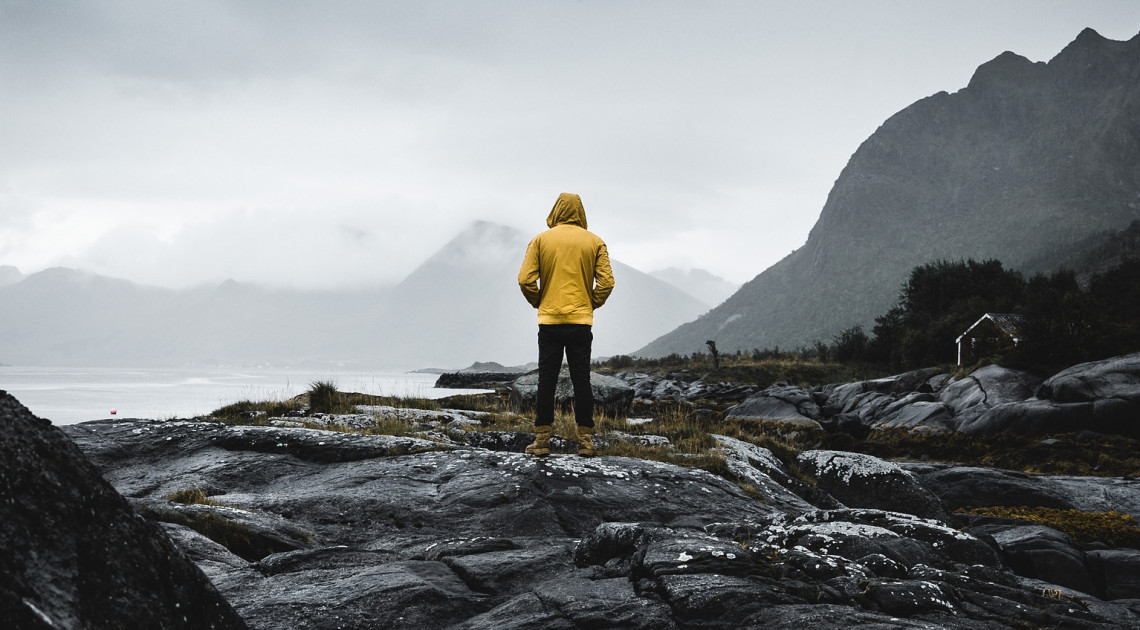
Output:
x=460 y=306
x=463 y=305
x=706 y=287
x=1028 y=159
x=9 y=275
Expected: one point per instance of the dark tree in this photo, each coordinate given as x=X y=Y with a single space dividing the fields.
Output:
x=1059 y=323
x=851 y=345
x=1116 y=300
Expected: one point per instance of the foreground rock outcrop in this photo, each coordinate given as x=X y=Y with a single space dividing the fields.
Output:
x=75 y=554
x=368 y=531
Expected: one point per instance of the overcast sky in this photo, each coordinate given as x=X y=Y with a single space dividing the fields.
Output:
x=335 y=144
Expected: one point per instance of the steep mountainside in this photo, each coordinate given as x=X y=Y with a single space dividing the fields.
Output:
x=1028 y=158
x=1094 y=255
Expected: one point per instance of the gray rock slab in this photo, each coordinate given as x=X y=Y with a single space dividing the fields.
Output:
x=986 y=387
x=1046 y=554
x=1116 y=572
x=397 y=594
x=967 y=486
x=782 y=403
x=1118 y=377
x=1100 y=494
x=1030 y=417
x=920 y=416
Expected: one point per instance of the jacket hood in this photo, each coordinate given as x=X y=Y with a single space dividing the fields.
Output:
x=568 y=209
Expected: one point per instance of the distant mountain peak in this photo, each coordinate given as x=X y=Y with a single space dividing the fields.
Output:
x=1006 y=68
x=1093 y=62
x=9 y=275
x=479 y=245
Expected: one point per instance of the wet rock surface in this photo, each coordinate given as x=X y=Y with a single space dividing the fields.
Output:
x=859 y=480
x=358 y=531
x=780 y=404
x=75 y=554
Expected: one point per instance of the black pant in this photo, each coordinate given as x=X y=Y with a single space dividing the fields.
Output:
x=575 y=341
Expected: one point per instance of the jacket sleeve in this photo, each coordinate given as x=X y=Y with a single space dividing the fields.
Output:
x=528 y=275
x=603 y=277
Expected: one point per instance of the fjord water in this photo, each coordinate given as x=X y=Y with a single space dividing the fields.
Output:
x=66 y=395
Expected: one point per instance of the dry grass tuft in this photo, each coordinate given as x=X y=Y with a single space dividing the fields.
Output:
x=191 y=496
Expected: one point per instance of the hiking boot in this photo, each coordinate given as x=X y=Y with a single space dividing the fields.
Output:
x=586 y=442
x=541 y=445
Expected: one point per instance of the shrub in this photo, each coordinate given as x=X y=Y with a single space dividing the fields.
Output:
x=325 y=398
x=250 y=412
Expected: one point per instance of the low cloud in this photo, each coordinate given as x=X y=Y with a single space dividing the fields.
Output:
x=301 y=144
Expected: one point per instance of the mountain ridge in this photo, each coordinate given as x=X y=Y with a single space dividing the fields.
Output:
x=1028 y=157
x=461 y=305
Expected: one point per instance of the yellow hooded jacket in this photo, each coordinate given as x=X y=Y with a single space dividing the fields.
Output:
x=566 y=271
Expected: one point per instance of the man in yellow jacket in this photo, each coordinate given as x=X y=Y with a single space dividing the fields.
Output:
x=565 y=275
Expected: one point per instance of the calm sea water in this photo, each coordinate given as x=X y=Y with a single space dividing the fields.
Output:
x=70 y=395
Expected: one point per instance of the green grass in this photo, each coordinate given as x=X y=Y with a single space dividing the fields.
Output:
x=325 y=398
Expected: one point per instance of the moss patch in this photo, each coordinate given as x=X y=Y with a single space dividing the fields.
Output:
x=1112 y=528
x=1066 y=454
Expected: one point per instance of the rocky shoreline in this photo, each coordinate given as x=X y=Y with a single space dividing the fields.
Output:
x=449 y=527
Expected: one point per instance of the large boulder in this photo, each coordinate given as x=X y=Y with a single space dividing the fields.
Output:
x=779 y=404
x=1044 y=553
x=864 y=481
x=612 y=396
x=76 y=555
